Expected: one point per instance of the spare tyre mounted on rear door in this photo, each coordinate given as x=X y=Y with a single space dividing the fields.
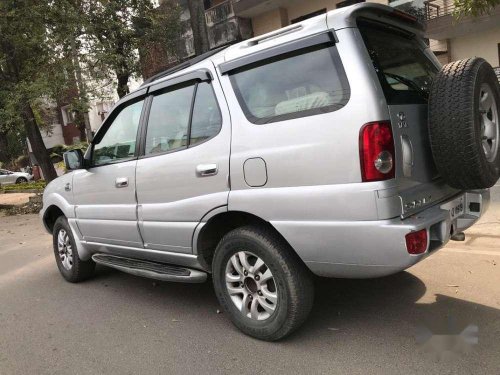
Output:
x=464 y=124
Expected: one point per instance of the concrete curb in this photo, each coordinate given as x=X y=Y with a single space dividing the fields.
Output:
x=22 y=191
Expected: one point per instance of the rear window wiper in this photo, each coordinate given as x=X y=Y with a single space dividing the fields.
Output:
x=407 y=82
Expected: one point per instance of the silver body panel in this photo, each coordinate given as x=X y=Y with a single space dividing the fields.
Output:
x=172 y=196
x=104 y=212
x=301 y=175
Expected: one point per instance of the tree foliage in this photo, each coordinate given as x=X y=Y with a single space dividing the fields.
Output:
x=66 y=51
x=117 y=29
x=474 y=7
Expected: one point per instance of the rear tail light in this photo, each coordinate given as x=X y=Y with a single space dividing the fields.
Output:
x=376 y=151
x=416 y=242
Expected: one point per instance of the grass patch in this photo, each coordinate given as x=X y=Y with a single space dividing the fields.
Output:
x=38 y=185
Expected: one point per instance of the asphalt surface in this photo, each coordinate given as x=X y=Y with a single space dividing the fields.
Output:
x=121 y=324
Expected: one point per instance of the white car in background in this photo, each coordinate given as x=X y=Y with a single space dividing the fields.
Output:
x=8 y=177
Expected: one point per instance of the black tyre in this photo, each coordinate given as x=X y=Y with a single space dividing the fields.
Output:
x=464 y=124
x=21 y=180
x=72 y=268
x=261 y=283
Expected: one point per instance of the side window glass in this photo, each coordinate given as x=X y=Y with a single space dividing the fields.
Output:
x=119 y=141
x=303 y=83
x=207 y=119
x=169 y=121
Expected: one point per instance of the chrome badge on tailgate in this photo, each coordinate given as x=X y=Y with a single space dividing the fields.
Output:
x=456 y=207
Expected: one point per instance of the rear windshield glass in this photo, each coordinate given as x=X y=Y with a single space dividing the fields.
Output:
x=403 y=64
x=302 y=83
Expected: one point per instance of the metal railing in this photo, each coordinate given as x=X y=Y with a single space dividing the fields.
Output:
x=219 y=13
x=438 y=8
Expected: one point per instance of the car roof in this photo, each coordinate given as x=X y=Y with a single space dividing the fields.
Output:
x=332 y=20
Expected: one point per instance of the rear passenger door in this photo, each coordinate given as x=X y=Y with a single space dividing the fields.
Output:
x=183 y=170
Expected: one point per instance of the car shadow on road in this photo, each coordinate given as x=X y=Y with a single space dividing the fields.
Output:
x=382 y=310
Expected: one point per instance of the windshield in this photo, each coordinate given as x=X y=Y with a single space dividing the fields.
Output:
x=404 y=68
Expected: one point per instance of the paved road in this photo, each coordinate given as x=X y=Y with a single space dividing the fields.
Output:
x=117 y=323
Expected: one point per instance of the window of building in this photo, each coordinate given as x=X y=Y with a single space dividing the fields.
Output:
x=302 y=83
x=309 y=15
x=118 y=143
x=68 y=115
x=498 y=45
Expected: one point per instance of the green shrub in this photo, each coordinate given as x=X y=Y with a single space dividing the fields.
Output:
x=39 y=185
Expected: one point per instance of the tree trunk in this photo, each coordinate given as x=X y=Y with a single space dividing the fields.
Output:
x=80 y=123
x=82 y=92
x=37 y=145
x=122 y=88
x=199 y=26
x=4 y=157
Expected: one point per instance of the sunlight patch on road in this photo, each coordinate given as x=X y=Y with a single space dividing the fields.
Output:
x=27 y=270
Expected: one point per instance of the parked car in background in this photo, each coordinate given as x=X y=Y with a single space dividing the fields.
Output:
x=337 y=147
x=9 y=177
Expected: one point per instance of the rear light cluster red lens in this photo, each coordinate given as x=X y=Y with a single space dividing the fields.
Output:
x=376 y=151
x=416 y=242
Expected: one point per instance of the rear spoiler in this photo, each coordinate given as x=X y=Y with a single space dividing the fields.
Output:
x=346 y=17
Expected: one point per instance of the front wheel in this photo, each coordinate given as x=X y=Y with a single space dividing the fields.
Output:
x=21 y=180
x=72 y=268
x=261 y=283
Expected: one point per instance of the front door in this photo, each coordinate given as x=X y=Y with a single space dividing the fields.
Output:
x=106 y=206
x=184 y=171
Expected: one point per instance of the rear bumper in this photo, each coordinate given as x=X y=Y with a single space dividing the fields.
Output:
x=365 y=249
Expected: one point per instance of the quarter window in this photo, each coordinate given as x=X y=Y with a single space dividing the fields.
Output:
x=118 y=143
x=302 y=83
x=207 y=119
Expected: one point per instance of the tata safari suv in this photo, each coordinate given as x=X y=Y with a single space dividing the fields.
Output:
x=336 y=147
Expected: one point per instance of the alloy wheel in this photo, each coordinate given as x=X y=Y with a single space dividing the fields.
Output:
x=489 y=122
x=251 y=286
x=65 y=249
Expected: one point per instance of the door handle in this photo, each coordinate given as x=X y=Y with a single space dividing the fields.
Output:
x=121 y=182
x=204 y=170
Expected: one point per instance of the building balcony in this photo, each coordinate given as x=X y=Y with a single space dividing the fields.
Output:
x=223 y=26
x=442 y=23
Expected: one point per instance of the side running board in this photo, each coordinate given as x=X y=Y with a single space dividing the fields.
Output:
x=152 y=270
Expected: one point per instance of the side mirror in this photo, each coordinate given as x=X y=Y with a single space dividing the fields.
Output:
x=73 y=159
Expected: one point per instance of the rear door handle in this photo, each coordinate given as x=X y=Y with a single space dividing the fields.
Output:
x=121 y=182
x=204 y=170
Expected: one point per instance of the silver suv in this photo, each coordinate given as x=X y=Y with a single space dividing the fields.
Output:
x=336 y=147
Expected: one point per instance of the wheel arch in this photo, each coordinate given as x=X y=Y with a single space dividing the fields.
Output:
x=51 y=214
x=219 y=225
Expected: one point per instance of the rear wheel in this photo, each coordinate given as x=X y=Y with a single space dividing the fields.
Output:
x=464 y=124
x=72 y=268
x=261 y=284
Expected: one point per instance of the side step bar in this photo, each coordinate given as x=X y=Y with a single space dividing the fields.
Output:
x=152 y=270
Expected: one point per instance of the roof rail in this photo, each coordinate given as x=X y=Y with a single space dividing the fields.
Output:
x=184 y=65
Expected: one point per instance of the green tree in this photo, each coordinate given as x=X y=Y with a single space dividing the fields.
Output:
x=474 y=7
x=28 y=65
x=117 y=29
